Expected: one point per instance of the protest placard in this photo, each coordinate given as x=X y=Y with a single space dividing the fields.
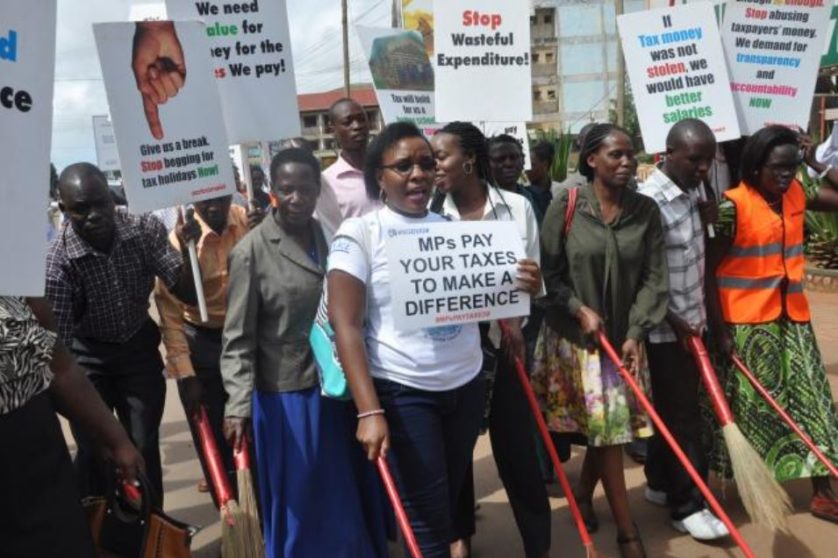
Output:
x=27 y=67
x=173 y=149
x=107 y=157
x=452 y=273
x=677 y=70
x=401 y=74
x=517 y=130
x=417 y=15
x=482 y=61
x=250 y=47
x=773 y=51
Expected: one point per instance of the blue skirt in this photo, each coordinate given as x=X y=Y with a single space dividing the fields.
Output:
x=319 y=495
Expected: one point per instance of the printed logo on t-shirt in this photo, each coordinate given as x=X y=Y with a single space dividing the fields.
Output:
x=443 y=333
x=341 y=245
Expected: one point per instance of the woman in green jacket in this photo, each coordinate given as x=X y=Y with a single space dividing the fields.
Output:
x=608 y=273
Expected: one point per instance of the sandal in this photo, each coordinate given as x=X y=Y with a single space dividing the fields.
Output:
x=623 y=542
x=589 y=518
x=824 y=507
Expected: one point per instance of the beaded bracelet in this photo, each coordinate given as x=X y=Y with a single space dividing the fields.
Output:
x=371 y=413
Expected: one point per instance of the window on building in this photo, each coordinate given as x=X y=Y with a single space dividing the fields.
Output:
x=551 y=94
x=549 y=58
x=548 y=19
x=536 y=94
x=309 y=121
x=535 y=58
x=532 y=20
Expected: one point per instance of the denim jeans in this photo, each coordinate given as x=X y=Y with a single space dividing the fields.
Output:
x=432 y=437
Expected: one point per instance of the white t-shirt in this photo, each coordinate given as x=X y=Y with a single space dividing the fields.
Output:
x=432 y=359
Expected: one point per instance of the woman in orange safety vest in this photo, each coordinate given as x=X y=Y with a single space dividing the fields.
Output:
x=765 y=312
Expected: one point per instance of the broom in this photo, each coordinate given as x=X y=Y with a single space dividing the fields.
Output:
x=401 y=515
x=785 y=416
x=763 y=497
x=233 y=544
x=676 y=449
x=590 y=550
x=249 y=523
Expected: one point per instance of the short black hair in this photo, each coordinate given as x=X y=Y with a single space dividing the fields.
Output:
x=73 y=175
x=545 y=151
x=389 y=136
x=758 y=147
x=472 y=142
x=593 y=141
x=687 y=127
x=294 y=155
x=256 y=168
x=341 y=101
x=502 y=139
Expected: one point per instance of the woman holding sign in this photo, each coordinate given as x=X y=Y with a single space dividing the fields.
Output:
x=462 y=182
x=765 y=313
x=607 y=272
x=419 y=394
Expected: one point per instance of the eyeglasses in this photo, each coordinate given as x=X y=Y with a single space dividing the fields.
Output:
x=404 y=168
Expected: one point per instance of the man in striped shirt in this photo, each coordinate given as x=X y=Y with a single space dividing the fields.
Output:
x=690 y=149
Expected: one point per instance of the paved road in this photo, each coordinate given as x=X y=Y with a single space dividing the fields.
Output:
x=497 y=535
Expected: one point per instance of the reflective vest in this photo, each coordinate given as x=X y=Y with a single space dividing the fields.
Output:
x=761 y=277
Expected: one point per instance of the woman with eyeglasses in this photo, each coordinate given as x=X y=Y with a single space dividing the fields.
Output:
x=765 y=315
x=311 y=494
x=418 y=394
x=465 y=193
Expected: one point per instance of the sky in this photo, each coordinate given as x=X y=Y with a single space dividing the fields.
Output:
x=80 y=92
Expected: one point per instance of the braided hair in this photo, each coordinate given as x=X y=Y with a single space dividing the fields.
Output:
x=472 y=142
x=594 y=139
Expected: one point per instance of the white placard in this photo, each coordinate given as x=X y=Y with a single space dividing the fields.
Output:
x=453 y=273
x=774 y=52
x=677 y=70
x=401 y=74
x=27 y=67
x=251 y=55
x=189 y=160
x=482 y=61
x=516 y=130
x=107 y=157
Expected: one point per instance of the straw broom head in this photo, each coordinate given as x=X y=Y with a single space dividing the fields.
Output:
x=249 y=524
x=764 y=499
x=232 y=534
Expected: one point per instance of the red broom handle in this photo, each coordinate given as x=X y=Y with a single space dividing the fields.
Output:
x=711 y=382
x=551 y=448
x=784 y=415
x=401 y=516
x=218 y=475
x=676 y=449
x=241 y=456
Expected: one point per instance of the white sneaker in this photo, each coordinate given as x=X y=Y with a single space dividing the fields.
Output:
x=702 y=526
x=657 y=497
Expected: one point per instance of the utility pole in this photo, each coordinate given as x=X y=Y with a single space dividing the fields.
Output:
x=395 y=17
x=345 y=29
x=621 y=73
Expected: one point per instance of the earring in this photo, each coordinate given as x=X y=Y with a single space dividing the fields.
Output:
x=468 y=167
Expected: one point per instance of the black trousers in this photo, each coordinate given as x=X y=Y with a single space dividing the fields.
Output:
x=675 y=387
x=129 y=378
x=205 y=351
x=41 y=515
x=511 y=429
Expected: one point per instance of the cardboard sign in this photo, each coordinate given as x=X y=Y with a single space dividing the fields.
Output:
x=175 y=152
x=107 y=157
x=677 y=70
x=453 y=273
x=401 y=74
x=250 y=47
x=482 y=61
x=27 y=67
x=773 y=52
